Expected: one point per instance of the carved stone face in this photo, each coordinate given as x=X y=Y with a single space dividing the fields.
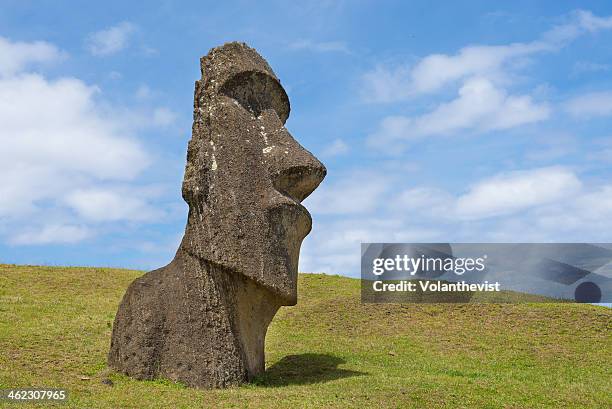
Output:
x=246 y=176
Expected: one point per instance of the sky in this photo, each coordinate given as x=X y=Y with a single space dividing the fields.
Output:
x=468 y=121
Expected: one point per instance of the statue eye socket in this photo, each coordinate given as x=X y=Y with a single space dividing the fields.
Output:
x=256 y=92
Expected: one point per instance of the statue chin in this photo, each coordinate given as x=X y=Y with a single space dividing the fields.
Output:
x=202 y=319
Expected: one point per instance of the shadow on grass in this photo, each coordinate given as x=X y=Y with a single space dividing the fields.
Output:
x=304 y=369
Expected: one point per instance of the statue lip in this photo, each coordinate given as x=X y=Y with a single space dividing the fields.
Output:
x=303 y=210
x=294 y=204
x=285 y=203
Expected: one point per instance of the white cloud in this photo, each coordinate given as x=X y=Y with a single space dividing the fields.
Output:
x=52 y=234
x=515 y=191
x=17 y=56
x=387 y=84
x=144 y=92
x=336 y=148
x=603 y=155
x=163 y=116
x=360 y=193
x=320 y=47
x=360 y=207
x=497 y=62
x=102 y=205
x=334 y=247
x=148 y=116
x=391 y=128
x=548 y=146
x=482 y=75
x=435 y=71
x=541 y=204
x=59 y=124
x=426 y=201
x=110 y=40
x=596 y=205
x=589 y=66
x=582 y=217
x=149 y=51
x=58 y=138
x=115 y=75
x=480 y=106
x=537 y=205
x=50 y=147
x=593 y=23
x=590 y=105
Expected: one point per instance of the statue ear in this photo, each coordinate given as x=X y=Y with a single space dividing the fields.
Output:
x=195 y=181
x=257 y=91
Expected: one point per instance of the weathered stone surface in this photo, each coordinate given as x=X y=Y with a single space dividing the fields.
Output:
x=202 y=319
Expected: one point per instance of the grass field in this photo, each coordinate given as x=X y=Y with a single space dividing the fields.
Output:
x=329 y=351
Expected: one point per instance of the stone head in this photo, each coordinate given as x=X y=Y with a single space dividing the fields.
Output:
x=246 y=176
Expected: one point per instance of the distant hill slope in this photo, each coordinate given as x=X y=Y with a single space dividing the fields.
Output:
x=329 y=351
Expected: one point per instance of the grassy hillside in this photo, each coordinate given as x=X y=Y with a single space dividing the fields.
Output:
x=328 y=351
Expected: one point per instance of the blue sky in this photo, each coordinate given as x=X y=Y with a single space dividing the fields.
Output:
x=467 y=121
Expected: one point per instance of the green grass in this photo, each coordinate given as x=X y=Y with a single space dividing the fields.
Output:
x=329 y=351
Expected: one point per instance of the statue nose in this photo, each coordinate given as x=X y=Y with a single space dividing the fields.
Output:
x=297 y=172
x=294 y=171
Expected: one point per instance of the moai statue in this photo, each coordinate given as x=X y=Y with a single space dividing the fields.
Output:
x=202 y=319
